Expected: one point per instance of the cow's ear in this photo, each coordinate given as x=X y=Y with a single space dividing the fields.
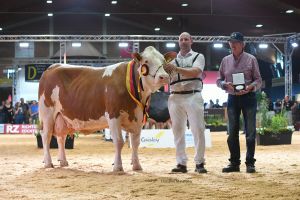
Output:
x=170 y=56
x=136 y=56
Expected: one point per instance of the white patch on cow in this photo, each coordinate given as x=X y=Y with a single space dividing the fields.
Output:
x=44 y=111
x=91 y=124
x=109 y=69
x=55 y=99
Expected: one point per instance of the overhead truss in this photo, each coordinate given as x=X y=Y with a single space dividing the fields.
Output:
x=129 y=38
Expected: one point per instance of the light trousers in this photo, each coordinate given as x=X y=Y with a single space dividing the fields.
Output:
x=183 y=107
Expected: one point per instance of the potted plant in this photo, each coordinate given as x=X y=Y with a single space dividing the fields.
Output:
x=272 y=129
x=53 y=143
x=215 y=123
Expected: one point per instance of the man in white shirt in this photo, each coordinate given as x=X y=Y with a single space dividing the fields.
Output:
x=186 y=102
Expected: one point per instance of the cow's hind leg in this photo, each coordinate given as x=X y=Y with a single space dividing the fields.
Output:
x=46 y=138
x=135 y=142
x=61 y=140
x=116 y=133
x=61 y=130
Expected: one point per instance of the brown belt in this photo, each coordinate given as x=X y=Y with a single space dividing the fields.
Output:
x=185 y=92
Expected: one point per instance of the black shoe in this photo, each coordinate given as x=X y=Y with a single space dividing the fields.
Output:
x=180 y=168
x=200 y=168
x=231 y=168
x=250 y=168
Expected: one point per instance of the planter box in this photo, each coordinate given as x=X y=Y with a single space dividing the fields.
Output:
x=53 y=144
x=216 y=128
x=274 y=139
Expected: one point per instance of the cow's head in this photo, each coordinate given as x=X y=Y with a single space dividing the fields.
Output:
x=151 y=68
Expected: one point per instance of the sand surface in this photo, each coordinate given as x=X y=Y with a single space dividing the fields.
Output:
x=89 y=175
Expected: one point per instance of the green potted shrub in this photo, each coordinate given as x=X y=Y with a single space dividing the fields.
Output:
x=215 y=123
x=53 y=143
x=272 y=130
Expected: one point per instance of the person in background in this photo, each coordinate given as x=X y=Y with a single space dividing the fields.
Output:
x=2 y=114
x=34 y=112
x=186 y=102
x=8 y=112
x=18 y=114
x=289 y=106
x=25 y=108
x=242 y=64
x=277 y=106
x=217 y=105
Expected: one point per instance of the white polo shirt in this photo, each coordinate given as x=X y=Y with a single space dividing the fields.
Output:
x=187 y=62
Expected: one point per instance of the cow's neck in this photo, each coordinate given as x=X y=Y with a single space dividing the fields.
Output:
x=138 y=91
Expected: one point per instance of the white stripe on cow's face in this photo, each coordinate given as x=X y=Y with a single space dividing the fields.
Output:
x=109 y=69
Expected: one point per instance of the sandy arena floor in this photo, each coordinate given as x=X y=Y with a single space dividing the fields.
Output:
x=89 y=173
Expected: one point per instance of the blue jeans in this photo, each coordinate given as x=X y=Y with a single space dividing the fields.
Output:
x=247 y=105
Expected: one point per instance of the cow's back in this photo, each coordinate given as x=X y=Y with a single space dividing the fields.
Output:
x=84 y=93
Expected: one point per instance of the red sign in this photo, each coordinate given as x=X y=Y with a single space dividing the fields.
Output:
x=20 y=128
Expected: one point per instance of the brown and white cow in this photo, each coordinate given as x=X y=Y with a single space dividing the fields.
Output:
x=86 y=99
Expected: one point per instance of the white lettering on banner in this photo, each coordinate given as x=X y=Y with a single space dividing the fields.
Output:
x=12 y=128
x=20 y=128
x=164 y=138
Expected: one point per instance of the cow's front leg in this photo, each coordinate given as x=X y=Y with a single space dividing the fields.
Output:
x=61 y=140
x=135 y=143
x=116 y=134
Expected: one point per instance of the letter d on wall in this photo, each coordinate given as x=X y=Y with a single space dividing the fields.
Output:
x=31 y=73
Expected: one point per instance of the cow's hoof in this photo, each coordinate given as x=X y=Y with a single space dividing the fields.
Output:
x=63 y=163
x=118 y=169
x=50 y=165
x=137 y=167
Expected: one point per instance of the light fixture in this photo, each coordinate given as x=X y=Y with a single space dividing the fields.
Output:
x=170 y=45
x=157 y=29
x=114 y=2
x=259 y=25
x=76 y=44
x=218 y=45
x=1 y=29
x=184 y=4
x=50 y=14
x=289 y=11
x=106 y=14
x=24 y=44
x=294 y=44
x=263 y=46
x=49 y=1
x=123 y=44
x=169 y=18
x=19 y=69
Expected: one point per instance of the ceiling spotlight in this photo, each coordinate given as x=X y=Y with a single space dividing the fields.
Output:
x=50 y=14
x=218 y=45
x=294 y=44
x=259 y=25
x=123 y=44
x=184 y=5
x=289 y=11
x=24 y=44
x=106 y=14
x=169 y=18
x=76 y=44
x=49 y=1
x=113 y=2
x=170 y=45
x=263 y=46
x=157 y=29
